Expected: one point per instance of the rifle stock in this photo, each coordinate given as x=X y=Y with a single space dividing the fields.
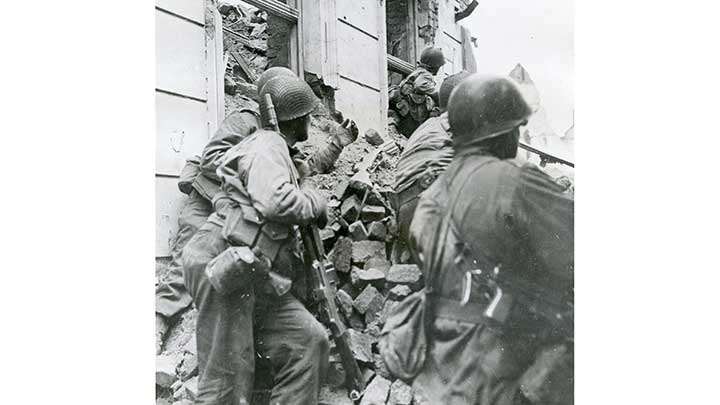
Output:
x=323 y=293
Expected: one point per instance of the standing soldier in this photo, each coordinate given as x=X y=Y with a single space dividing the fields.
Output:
x=201 y=183
x=427 y=153
x=495 y=241
x=414 y=100
x=258 y=206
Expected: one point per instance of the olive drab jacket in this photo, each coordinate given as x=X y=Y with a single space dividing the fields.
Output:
x=414 y=99
x=260 y=199
x=427 y=153
x=488 y=212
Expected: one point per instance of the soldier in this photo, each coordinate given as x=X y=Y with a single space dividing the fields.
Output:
x=426 y=154
x=200 y=182
x=414 y=99
x=495 y=240
x=258 y=206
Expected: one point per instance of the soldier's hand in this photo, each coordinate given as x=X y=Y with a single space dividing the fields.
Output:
x=346 y=133
x=320 y=204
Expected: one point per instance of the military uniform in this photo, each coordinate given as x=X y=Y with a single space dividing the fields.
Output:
x=427 y=153
x=258 y=205
x=413 y=101
x=483 y=213
x=171 y=296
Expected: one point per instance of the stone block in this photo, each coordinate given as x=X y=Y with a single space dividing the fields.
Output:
x=350 y=209
x=360 y=345
x=369 y=298
x=377 y=231
x=399 y=292
x=376 y=392
x=357 y=231
x=406 y=274
x=345 y=302
x=166 y=369
x=400 y=393
x=342 y=254
x=372 y=213
x=363 y=251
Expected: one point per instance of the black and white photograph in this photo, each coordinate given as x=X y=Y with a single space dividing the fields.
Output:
x=359 y=202
x=364 y=202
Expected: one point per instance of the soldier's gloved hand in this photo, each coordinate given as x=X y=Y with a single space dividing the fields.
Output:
x=346 y=133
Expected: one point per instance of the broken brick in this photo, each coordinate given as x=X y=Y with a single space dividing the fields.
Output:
x=342 y=254
x=326 y=233
x=189 y=366
x=373 y=137
x=368 y=298
x=399 y=292
x=361 y=278
x=376 y=392
x=356 y=321
x=371 y=213
x=379 y=263
x=377 y=231
x=400 y=393
x=407 y=274
x=350 y=209
x=188 y=390
x=345 y=302
x=165 y=369
x=357 y=231
x=340 y=189
x=362 y=251
x=360 y=345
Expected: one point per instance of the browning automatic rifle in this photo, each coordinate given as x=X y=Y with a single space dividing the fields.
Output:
x=323 y=293
x=320 y=272
x=545 y=157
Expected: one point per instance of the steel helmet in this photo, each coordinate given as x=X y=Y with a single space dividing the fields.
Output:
x=448 y=85
x=291 y=96
x=483 y=107
x=432 y=57
x=270 y=73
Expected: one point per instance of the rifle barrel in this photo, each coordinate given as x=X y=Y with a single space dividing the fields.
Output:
x=546 y=156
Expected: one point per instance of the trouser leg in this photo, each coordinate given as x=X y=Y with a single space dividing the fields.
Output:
x=224 y=330
x=171 y=297
x=297 y=346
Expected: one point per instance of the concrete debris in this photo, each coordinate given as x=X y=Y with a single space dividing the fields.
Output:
x=350 y=209
x=342 y=254
x=373 y=137
x=399 y=292
x=400 y=393
x=368 y=299
x=165 y=369
x=360 y=345
x=372 y=213
x=361 y=278
x=381 y=367
x=377 y=392
x=334 y=396
x=377 y=231
x=345 y=302
x=189 y=366
x=357 y=231
x=407 y=274
x=379 y=263
x=188 y=390
x=365 y=250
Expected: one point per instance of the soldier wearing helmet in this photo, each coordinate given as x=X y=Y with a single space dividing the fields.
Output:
x=201 y=183
x=259 y=203
x=495 y=242
x=427 y=153
x=415 y=99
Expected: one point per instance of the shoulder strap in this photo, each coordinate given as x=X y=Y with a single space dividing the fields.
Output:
x=447 y=224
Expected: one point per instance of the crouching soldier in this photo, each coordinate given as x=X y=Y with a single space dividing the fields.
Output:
x=415 y=99
x=427 y=153
x=495 y=241
x=257 y=207
x=201 y=183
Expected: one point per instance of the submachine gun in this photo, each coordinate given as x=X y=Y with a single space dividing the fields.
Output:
x=322 y=287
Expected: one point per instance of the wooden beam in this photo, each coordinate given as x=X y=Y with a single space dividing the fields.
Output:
x=245 y=40
x=249 y=73
x=398 y=65
x=277 y=8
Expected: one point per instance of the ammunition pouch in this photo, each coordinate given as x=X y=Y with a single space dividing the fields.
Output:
x=188 y=174
x=244 y=226
x=206 y=186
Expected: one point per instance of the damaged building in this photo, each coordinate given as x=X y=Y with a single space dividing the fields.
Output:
x=209 y=55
